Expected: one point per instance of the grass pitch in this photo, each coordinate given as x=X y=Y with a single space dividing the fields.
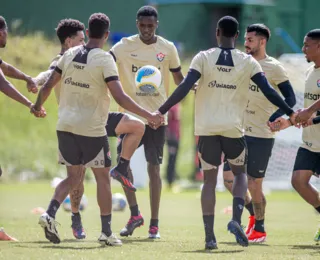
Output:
x=290 y=224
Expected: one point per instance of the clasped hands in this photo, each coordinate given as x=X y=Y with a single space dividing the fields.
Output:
x=155 y=120
x=302 y=117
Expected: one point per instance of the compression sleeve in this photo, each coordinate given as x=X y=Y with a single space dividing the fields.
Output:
x=289 y=97
x=269 y=92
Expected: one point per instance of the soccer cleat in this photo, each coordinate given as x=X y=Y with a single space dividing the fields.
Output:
x=5 y=237
x=317 y=236
x=236 y=229
x=49 y=225
x=252 y=221
x=125 y=182
x=133 y=223
x=257 y=237
x=154 y=232
x=77 y=229
x=211 y=245
x=112 y=240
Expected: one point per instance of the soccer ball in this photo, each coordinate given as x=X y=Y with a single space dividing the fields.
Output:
x=67 y=204
x=148 y=79
x=119 y=202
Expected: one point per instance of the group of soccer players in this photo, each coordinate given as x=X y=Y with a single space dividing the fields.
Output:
x=236 y=92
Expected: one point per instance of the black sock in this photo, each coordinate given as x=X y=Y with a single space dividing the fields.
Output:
x=237 y=209
x=106 y=225
x=154 y=222
x=134 y=211
x=249 y=207
x=259 y=225
x=122 y=166
x=318 y=209
x=53 y=208
x=75 y=217
x=208 y=221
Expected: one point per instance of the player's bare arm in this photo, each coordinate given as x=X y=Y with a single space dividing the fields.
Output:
x=154 y=119
x=8 y=89
x=45 y=92
x=12 y=72
x=305 y=114
x=177 y=77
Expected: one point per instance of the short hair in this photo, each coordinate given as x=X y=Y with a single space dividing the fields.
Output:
x=3 y=24
x=314 y=34
x=68 y=28
x=260 y=29
x=99 y=24
x=147 y=10
x=229 y=26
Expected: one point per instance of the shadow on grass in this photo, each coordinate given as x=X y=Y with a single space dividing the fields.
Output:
x=236 y=244
x=142 y=240
x=215 y=251
x=314 y=247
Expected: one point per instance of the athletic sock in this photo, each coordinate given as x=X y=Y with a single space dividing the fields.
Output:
x=134 y=211
x=154 y=223
x=53 y=208
x=208 y=221
x=106 y=225
x=237 y=209
x=122 y=166
x=249 y=207
x=259 y=225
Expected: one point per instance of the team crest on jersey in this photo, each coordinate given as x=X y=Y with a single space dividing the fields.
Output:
x=318 y=83
x=160 y=56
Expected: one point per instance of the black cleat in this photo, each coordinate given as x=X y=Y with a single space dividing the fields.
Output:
x=240 y=235
x=125 y=182
x=211 y=245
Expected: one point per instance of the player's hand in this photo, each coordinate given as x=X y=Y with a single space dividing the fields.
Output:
x=32 y=86
x=156 y=119
x=309 y=122
x=36 y=112
x=279 y=124
x=303 y=115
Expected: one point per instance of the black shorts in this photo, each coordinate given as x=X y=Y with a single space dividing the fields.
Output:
x=153 y=142
x=92 y=152
x=210 y=149
x=112 y=123
x=307 y=160
x=259 y=153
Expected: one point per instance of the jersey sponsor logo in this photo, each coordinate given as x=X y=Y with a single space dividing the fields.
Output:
x=318 y=83
x=251 y=112
x=311 y=96
x=135 y=68
x=134 y=55
x=78 y=67
x=214 y=83
x=160 y=56
x=221 y=69
x=69 y=81
x=254 y=88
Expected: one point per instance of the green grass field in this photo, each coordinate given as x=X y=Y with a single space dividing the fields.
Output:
x=290 y=223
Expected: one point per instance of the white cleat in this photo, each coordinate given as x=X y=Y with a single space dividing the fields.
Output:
x=112 y=240
x=50 y=230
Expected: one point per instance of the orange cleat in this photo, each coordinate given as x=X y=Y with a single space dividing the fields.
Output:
x=250 y=226
x=257 y=237
x=5 y=237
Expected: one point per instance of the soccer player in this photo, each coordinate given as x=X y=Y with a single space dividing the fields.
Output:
x=70 y=34
x=87 y=74
x=307 y=161
x=224 y=74
x=9 y=70
x=258 y=136
x=147 y=48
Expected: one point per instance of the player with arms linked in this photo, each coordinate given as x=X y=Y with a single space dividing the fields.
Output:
x=258 y=136
x=87 y=74
x=224 y=74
